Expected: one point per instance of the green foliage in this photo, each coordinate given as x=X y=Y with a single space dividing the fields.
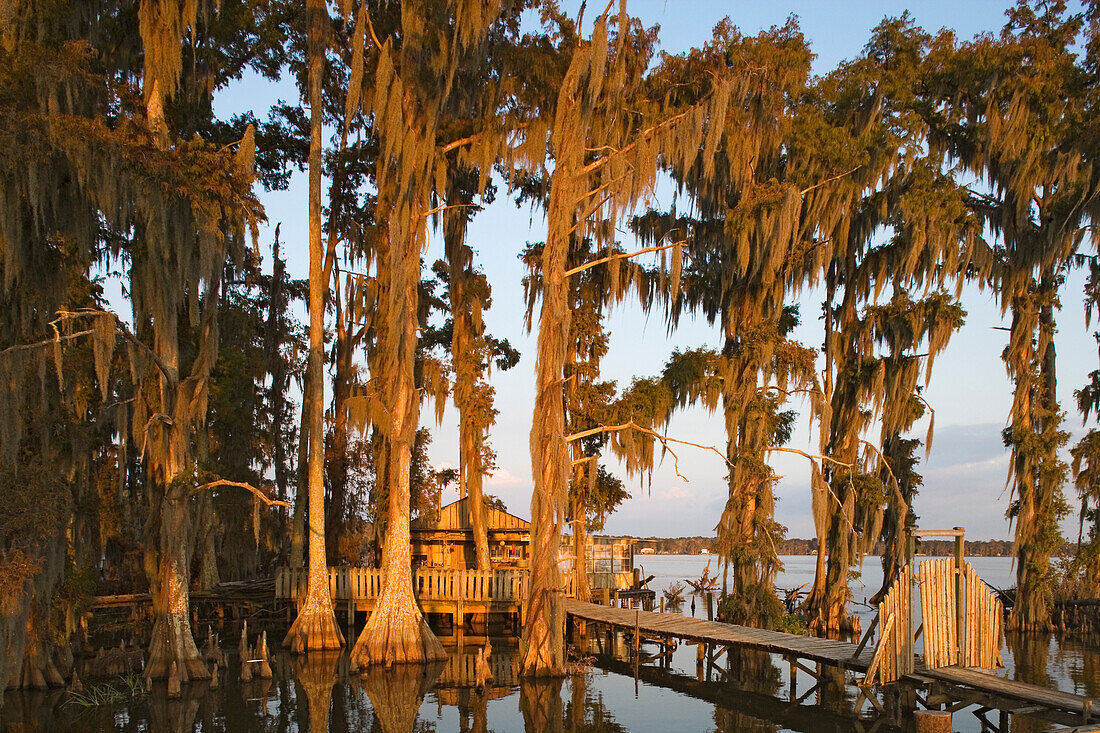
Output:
x=108 y=694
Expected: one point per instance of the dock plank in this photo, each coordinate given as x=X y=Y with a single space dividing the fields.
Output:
x=828 y=651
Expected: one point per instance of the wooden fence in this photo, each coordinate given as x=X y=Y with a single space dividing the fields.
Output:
x=984 y=614
x=939 y=612
x=893 y=657
x=365 y=584
x=960 y=621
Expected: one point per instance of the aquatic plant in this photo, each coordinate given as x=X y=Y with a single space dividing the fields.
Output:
x=120 y=689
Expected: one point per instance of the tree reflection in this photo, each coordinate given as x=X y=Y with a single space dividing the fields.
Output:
x=175 y=715
x=586 y=712
x=753 y=671
x=1031 y=653
x=316 y=673
x=540 y=703
x=397 y=692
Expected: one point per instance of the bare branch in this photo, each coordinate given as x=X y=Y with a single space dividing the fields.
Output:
x=885 y=463
x=620 y=256
x=168 y=374
x=241 y=485
x=804 y=454
x=805 y=191
x=664 y=439
x=590 y=212
x=370 y=26
x=442 y=207
x=644 y=135
x=42 y=344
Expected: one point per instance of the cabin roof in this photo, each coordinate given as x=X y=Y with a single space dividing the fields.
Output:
x=456 y=516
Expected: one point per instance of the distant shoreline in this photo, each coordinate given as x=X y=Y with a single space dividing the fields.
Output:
x=697 y=545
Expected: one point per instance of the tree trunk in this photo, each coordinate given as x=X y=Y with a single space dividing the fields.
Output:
x=37 y=670
x=476 y=503
x=172 y=640
x=581 y=589
x=208 y=564
x=315 y=627
x=1039 y=471
x=545 y=629
x=301 y=492
x=396 y=630
x=336 y=522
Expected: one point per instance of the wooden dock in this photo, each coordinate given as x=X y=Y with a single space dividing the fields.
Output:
x=953 y=688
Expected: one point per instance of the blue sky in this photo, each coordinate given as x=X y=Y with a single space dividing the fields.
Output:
x=965 y=473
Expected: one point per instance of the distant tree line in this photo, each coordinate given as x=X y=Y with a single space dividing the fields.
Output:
x=792 y=546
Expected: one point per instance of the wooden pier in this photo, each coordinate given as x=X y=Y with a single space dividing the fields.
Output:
x=952 y=688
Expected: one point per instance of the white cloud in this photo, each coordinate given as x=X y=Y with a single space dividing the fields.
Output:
x=502 y=478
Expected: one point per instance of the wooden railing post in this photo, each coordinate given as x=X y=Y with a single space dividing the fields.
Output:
x=960 y=598
x=910 y=633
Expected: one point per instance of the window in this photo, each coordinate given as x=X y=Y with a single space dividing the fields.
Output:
x=600 y=559
x=623 y=562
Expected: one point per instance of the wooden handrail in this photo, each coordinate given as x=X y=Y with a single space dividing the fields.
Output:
x=437 y=584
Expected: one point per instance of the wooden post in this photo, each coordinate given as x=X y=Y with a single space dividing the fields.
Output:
x=960 y=599
x=910 y=553
x=637 y=640
x=459 y=622
x=933 y=721
x=615 y=598
x=662 y=604
x=710 y=607
x=792 y=690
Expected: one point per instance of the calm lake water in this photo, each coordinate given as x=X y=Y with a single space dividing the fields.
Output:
x=604 y=695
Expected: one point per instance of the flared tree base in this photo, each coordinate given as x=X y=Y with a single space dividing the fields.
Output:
x=315 y=629
x=173 y=642
x=832 y=622
x=37 y=671
x=1038 y=622
x=396 y=637
x=545 y=637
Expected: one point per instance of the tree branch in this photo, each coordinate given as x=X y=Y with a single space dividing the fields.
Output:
x=62 y=315
x=619 y=256
x=664 y=439
x=805 y=191
x=241 y=485
x=643 y=135
x=804 y=454
x=443 y=207
x=47 y=342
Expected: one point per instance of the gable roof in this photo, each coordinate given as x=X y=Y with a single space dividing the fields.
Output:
x=456 y=516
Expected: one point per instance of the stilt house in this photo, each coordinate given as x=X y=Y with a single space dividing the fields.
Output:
x=447 y=540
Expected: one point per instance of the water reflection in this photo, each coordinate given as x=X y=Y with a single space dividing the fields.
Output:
x=586 y=711
x=745 y=691
x=316 y=674
x=396 y=693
